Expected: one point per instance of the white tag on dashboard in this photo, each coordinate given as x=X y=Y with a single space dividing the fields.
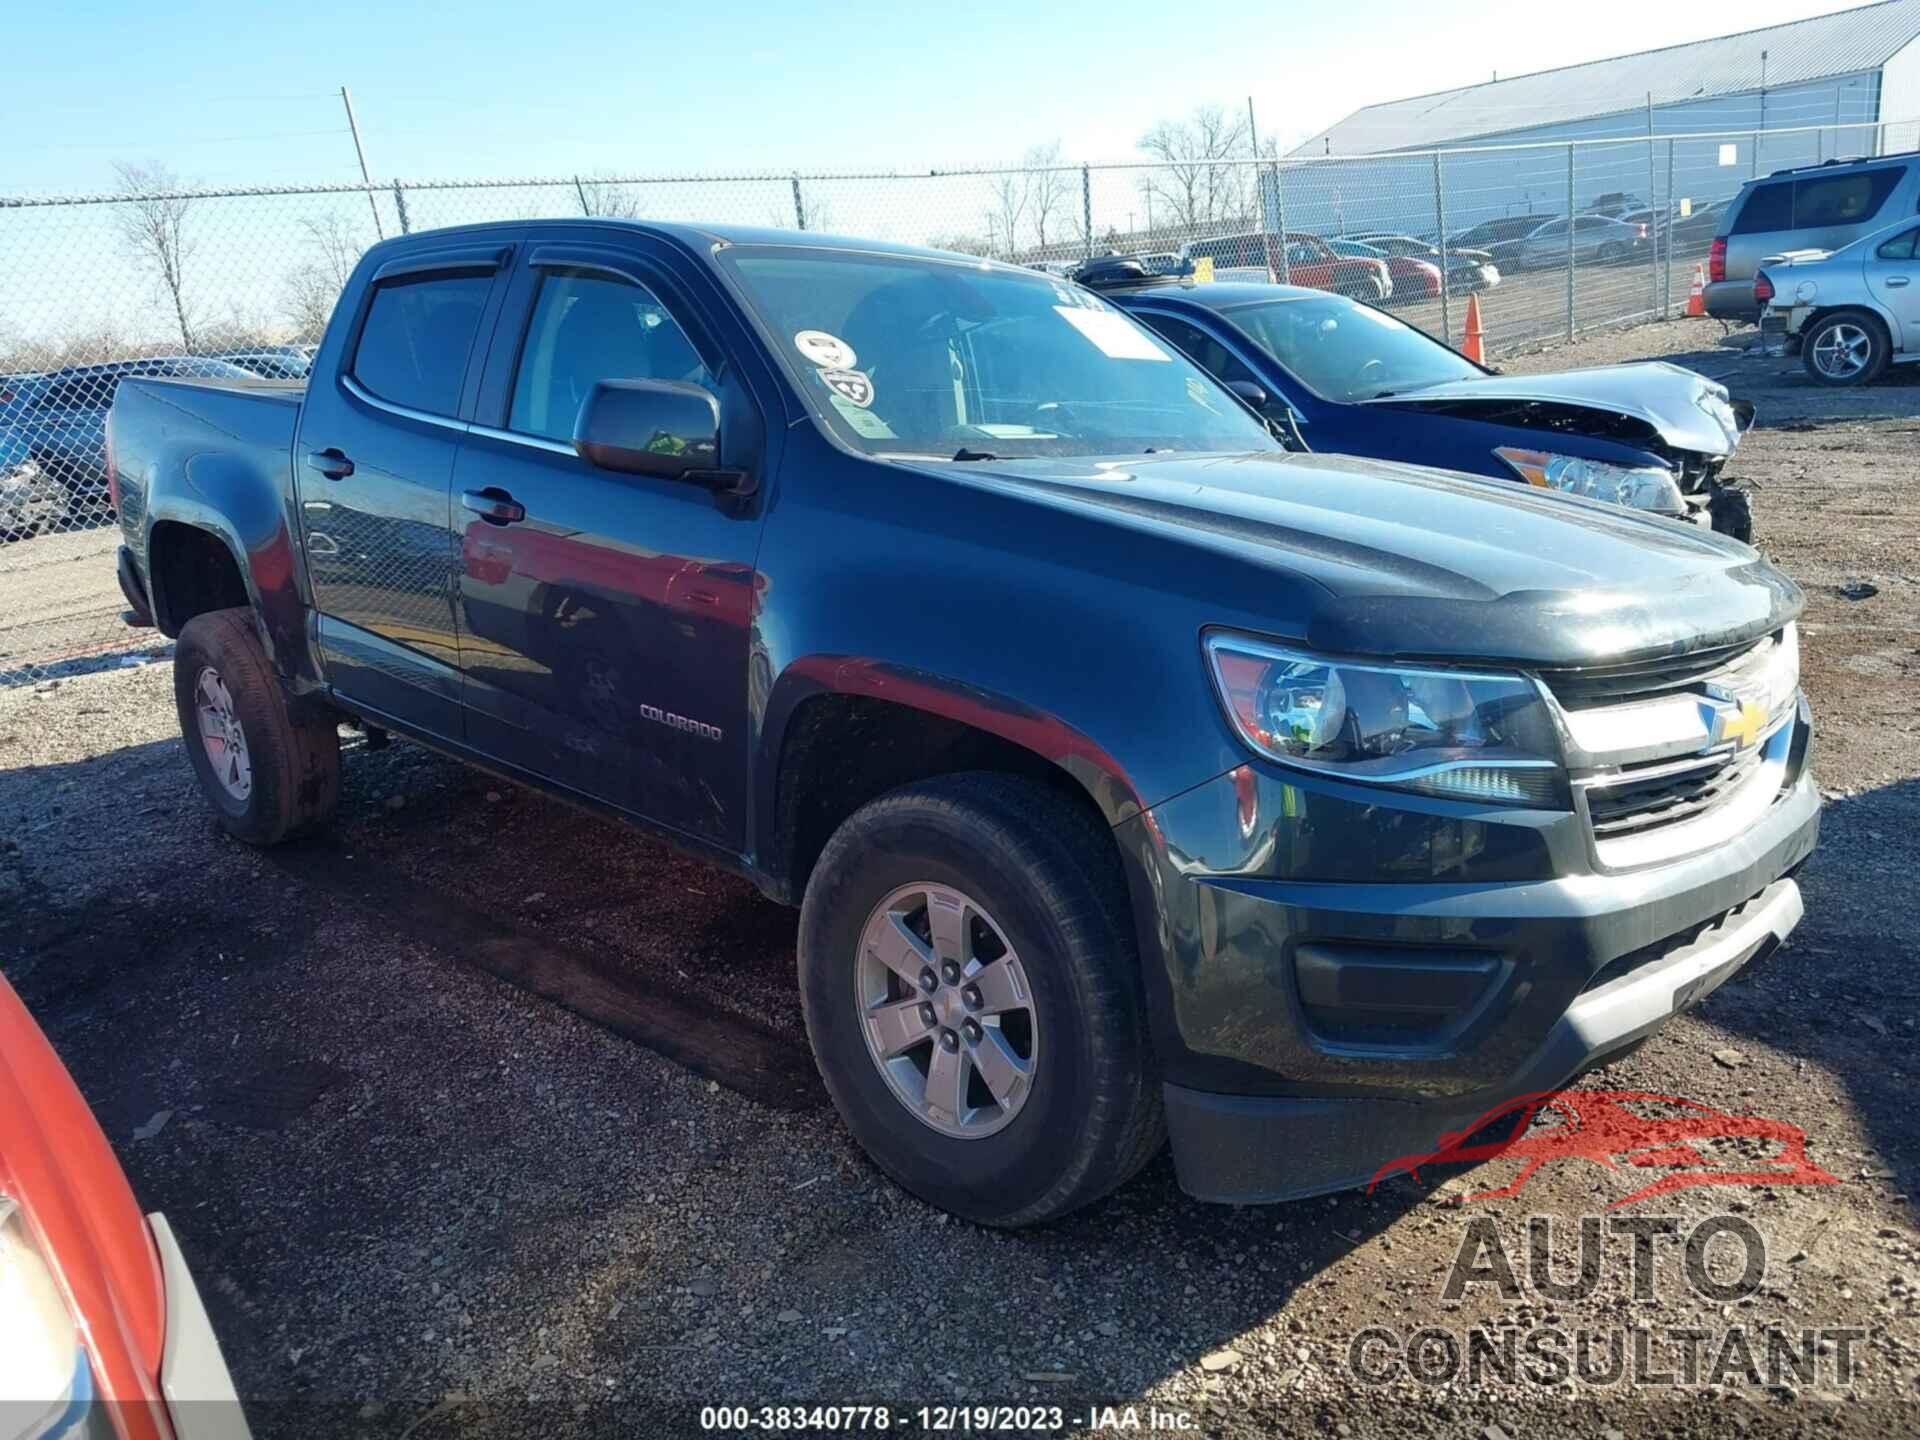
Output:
x=1117 y=337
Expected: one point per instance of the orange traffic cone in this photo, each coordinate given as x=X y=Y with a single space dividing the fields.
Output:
x=1697 y=297
x=1473 y=344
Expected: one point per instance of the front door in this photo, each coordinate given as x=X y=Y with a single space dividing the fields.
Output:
x=606 y=618
x=373 y=470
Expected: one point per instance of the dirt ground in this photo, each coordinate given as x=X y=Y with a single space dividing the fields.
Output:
x=424 y=1194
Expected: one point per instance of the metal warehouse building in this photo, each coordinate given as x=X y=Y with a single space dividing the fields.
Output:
x=1795 y=94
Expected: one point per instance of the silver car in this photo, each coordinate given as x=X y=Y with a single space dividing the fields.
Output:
x=1597 y=240
x=1850 y=313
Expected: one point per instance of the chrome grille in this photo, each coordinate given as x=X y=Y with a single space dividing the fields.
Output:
x=1647 y=796
x=1643 y=680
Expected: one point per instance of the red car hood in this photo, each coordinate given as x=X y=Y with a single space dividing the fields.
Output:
x=56 y=1163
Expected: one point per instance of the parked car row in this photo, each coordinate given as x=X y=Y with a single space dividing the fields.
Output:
x=53 y=430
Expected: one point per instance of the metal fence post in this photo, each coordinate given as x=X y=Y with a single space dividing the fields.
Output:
x=1280 y=219
x=1440 y=243
x=1653 y=230
x=581 y=191
x=799 y=206
x=1570 y=229
x=400 y=208
x=1666 y=285
x=1086 y=207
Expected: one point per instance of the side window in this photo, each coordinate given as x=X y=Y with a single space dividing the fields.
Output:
x=1201 y=348
x=1768 y=207
x=587 y=328
x=414 y=346
x=1900 y=247
x=1842 y=199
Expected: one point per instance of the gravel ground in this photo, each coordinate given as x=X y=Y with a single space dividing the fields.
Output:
x=424 y=1195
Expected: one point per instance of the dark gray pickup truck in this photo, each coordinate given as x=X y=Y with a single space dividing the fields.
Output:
x=1133 y=775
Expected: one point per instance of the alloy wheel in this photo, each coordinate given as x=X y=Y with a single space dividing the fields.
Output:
x=221 y=736
x=1842 y=351
x=947 y=1011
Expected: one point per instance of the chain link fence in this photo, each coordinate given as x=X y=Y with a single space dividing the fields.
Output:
x=239 y=282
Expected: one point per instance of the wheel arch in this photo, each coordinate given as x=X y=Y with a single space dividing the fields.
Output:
x=839 y=731
x=209 y=510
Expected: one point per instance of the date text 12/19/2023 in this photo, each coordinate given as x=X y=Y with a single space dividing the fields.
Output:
x=945 y=1419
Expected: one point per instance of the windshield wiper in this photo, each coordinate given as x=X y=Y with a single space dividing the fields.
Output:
x=963 y=453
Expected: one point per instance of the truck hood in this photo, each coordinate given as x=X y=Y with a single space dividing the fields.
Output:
x=1683 y=410
x=1400 y=560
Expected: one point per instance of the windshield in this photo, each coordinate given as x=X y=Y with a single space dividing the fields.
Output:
x=1344 y=351
x=902 y=355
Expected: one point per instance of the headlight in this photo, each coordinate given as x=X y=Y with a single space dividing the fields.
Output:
x=1459 y=734
x=1783 y=671
x=44 y=1374
x=1638 y=487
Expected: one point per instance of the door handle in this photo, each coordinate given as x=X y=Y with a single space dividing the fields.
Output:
x=493 y=505
x=330 y=463
x=1894 y=281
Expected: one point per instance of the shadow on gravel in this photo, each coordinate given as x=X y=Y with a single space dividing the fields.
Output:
x=1844 y=993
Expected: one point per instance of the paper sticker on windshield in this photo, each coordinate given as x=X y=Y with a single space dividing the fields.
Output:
x=850 y=385
x=1117 y=337
x=829 y=352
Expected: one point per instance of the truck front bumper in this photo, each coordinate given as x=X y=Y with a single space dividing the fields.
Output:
x=1311 y=1030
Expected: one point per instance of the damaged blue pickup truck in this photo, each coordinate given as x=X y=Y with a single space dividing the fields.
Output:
x=1134 y=777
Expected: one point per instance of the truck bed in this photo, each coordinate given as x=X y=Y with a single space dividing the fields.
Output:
x=246 y=424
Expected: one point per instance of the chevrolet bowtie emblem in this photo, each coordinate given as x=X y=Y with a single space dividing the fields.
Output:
x=1741 y=726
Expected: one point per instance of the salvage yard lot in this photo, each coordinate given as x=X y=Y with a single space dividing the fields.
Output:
x=418 y=1187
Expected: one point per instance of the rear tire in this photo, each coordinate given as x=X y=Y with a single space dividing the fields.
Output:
x=270 y=770
x=1039 y=883
x=1848 y=347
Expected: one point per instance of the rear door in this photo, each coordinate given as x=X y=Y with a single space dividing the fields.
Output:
x=373 y=468
x=1893 y=275
x=606 y=627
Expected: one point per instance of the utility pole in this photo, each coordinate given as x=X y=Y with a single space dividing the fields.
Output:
x=366 y=176
x=1282 y=271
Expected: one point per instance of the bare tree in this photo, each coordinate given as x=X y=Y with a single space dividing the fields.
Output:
x=598 y=197
x=1193 y=189
x=1010 y=193
x=1047 y=188
x=153 y=222
x=961 y=243
x=335 y=245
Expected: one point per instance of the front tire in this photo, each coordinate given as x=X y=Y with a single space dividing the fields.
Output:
x=270 y=771
x=972 y=994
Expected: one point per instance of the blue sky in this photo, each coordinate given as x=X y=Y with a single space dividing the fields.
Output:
x=238 y=94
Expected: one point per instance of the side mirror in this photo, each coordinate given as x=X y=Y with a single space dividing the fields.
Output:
x=665 y=429
x=1253 y=394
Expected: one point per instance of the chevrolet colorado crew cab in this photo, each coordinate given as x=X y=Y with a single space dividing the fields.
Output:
x=1133 y=775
